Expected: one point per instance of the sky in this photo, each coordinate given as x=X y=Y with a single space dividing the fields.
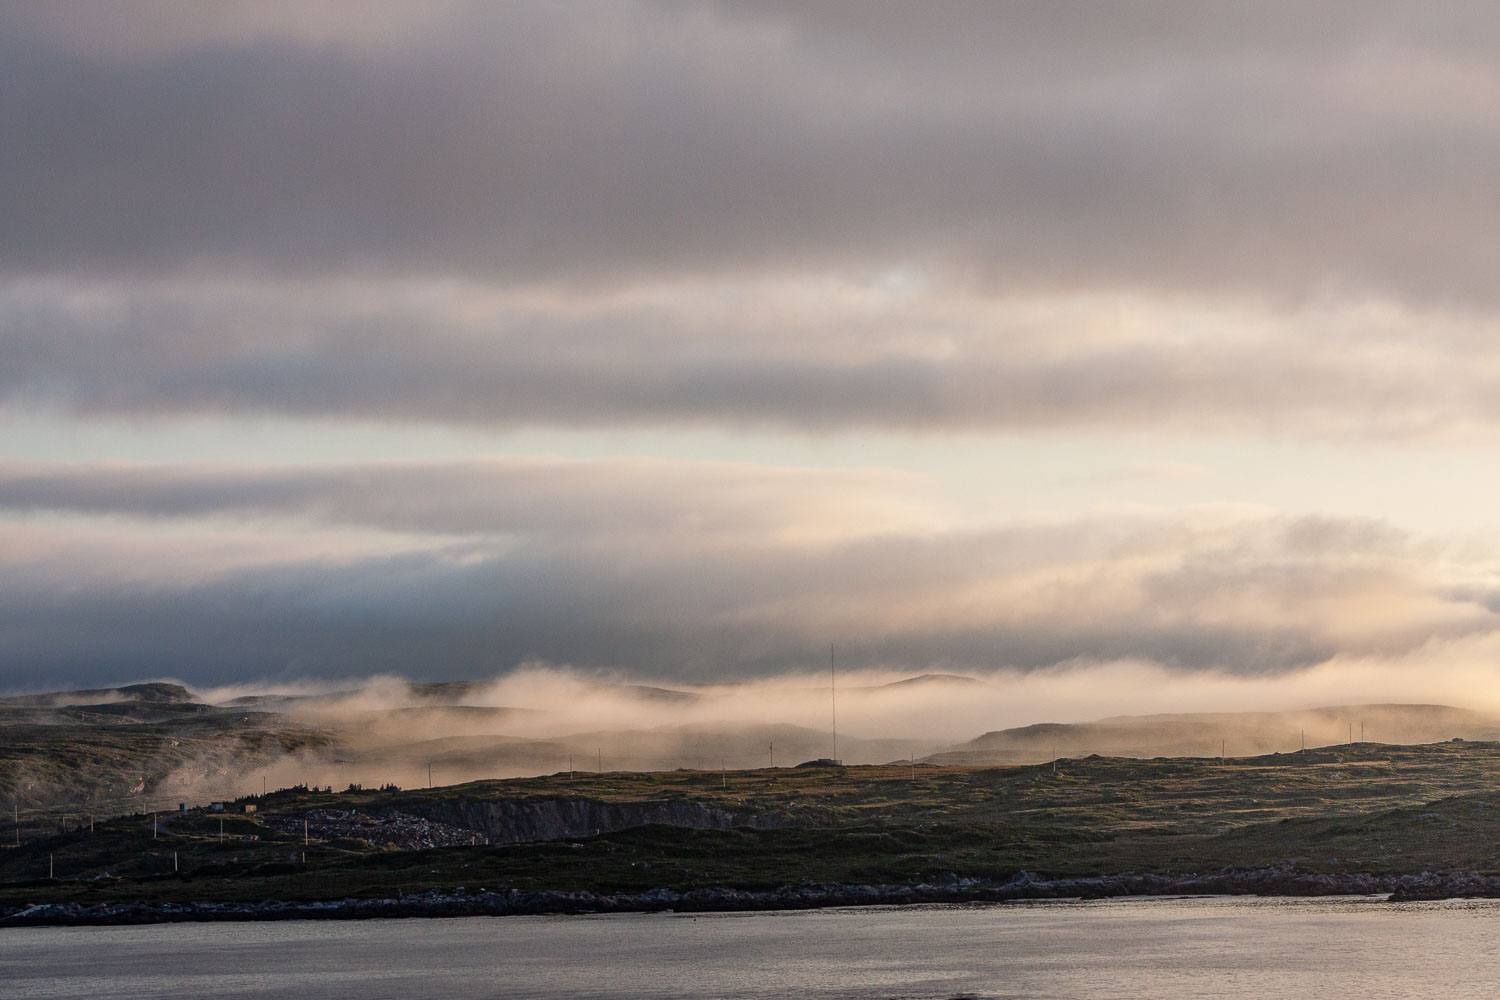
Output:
x=675 y=341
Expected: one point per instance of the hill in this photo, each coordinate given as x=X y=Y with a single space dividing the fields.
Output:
x=1365 y=808
x=155 y=693
x=1234 y=733
x=150 y=746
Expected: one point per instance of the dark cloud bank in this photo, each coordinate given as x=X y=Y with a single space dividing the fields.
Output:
x=1280 y=149
x=477 y=588
x=1284 y=164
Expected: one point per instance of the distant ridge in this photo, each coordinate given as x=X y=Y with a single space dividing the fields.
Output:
x=921 y=680
x=649 y=693
x=154 y=693
x=431 y=694
x=1237 y=734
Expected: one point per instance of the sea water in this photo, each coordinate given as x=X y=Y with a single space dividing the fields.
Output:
x=1158 y=948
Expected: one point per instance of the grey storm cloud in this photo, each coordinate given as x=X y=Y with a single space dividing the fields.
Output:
x=547 y=214
x=1246 y=596
x=1281 y=150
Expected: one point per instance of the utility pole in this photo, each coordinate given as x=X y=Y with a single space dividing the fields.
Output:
x=429 y=775
x=1054 y=756
x=1361 y=730
x=153 y=825
x=304 y=834
x=1351 y=732
x=262 y=786
x=1304 y=741
x=773 y=753
x=174 y=861
x=570 y=767
x=221 y=829
x=723 y=774
x=1222 y=745
x=599 y=759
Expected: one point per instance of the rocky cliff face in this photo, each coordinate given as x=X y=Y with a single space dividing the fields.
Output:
x=517 y=820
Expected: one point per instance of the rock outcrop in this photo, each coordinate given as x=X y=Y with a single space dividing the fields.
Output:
x=946 y=889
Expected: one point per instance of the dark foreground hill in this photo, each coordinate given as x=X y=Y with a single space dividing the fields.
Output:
x=1366 y=811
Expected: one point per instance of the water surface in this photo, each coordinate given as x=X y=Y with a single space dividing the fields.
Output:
x=1159 y=948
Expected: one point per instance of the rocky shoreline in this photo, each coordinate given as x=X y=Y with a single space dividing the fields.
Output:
x=948 y=889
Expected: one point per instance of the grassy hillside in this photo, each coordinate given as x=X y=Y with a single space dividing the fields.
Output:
x=57 y=772
x=111 y=751
x=1366 y=807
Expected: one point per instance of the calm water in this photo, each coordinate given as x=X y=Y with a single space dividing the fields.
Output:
x=1162 y=948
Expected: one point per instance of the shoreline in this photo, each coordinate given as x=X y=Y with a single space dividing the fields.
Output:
x=948 y=889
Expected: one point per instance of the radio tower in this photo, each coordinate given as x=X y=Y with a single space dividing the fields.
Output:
x=833 y=702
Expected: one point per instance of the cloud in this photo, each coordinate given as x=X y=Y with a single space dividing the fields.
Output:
x=543 y=498
x=1283 y=151
x=796 y=217
x=512 y=561
x=151 y=28
x=810 y=355
x=807 y=216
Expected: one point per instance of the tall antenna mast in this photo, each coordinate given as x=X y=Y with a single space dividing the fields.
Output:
x=833 y=701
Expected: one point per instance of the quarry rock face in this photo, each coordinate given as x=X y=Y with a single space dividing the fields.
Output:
x=519 y=820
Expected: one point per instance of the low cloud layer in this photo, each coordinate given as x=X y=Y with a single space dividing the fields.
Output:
x=541 y=701
x=934 y=711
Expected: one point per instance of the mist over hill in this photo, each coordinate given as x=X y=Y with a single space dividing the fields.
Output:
x=152 y=745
